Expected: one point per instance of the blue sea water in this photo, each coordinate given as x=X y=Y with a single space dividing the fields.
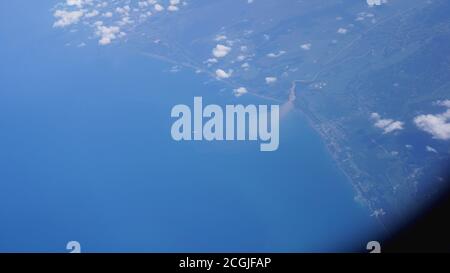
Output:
x=86 y=155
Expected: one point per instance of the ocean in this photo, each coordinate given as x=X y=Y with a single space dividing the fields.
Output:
x=87 y=156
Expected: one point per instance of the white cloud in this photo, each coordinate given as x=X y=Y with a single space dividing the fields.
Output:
x=306 y=46
x=66 y=18
x=271 y=80
x=342 y=31
x=445 y=103
x=372 y=3
x=158 y=7
x=91 y=14
x=241 y=58
x=431 y=149
x=221 y=74
x=436 y=125
x=276 y=55
x=240 y=91
x=387 y=125
x=172 y=8
x=124 y=14
x=77 y=3
x=211 y=61
x=378 y=213
x=220 y=38
x=107 y=34
x=125 y=10
x=221 y=51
